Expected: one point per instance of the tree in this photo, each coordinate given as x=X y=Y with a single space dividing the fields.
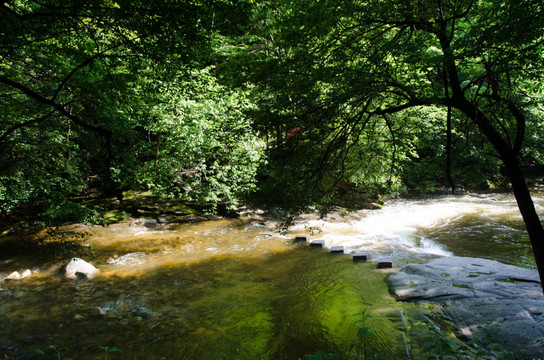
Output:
x=355 y=61
x=204 y=147
x=71 y=75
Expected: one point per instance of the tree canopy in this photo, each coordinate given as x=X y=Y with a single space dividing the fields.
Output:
x=87 y=89
x=367 y=78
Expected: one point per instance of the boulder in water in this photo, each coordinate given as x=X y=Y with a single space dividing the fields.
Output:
x=317 y=243
x=79 y=268
x=13 y=276
x=385 y=264
x=18 y=276
x=360 y=257
x=337 y=250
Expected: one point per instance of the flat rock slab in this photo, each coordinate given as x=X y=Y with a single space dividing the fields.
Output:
x=482 y=298
x=459 y=278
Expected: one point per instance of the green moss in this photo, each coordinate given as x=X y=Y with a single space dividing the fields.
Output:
x=180 y=208
x=431 y=308
x=113 y=216
x=463 y=286
x=508 y=280
x=136 y=195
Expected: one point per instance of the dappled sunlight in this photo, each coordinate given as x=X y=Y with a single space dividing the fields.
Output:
x=195 y=290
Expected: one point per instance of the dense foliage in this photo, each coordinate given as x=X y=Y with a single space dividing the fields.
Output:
x=355 y=74
x=110 y=96
x=372 y=84
x=304 y=101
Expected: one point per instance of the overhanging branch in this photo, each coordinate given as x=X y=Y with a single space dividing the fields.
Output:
x=23 y=124
x=107 y=134
x=58 y=107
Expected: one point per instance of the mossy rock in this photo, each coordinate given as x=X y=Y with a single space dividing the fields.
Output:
x=113 y=216
x=178 y=208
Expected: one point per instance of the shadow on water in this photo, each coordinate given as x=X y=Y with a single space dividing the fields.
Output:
x=276 y=306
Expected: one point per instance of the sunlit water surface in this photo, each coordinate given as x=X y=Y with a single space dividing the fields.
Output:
x=239 y=289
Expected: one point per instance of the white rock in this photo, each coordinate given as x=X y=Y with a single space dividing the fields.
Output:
x=13 y=276
x=80 y=268
x=26 y=273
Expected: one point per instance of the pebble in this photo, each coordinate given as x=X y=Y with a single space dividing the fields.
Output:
x=98 y=311
x=113 y=293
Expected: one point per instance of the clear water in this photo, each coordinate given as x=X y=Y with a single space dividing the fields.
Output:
x=238 y=289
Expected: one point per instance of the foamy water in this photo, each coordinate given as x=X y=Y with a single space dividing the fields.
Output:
x=414 y=228
x=404 y=230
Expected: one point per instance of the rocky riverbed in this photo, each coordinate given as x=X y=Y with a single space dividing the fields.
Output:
x=485 y=300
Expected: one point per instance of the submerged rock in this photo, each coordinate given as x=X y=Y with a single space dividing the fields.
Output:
x=79 y=268
x=18 y=276
x=98 y=311
x=482 y=298
x=13 y=276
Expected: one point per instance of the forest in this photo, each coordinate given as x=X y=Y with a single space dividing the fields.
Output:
x=282 y=103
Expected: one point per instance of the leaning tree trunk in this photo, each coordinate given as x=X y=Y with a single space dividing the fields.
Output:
x=528 y=212
x=510 y=159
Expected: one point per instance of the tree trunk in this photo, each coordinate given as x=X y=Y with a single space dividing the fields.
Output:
x=510 y=159
x=157 y=149
x=528 y=212
x=508 y=154
x=448 y=151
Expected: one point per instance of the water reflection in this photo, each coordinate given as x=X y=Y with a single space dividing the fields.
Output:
x=280 y=306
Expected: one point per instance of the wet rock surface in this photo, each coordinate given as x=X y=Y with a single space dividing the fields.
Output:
x=484 y=299
x=79 y=268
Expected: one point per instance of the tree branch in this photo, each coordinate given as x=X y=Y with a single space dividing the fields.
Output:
x=23 y=124
x=58 y=107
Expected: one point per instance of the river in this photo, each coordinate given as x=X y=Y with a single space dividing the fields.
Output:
x=240 y=289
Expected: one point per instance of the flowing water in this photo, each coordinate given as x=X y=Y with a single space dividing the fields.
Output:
x=239 y=289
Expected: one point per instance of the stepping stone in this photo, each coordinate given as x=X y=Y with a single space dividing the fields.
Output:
x=337 y=250
x=385 y=264
x=317 y=243
x=301 y=238
x=360 y=257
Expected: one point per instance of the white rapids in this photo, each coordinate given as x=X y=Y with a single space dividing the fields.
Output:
x=406 y=228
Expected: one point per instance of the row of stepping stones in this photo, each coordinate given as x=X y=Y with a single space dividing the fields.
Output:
x=357 y=256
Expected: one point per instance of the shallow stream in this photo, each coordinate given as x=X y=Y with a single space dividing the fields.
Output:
x=239 y=289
